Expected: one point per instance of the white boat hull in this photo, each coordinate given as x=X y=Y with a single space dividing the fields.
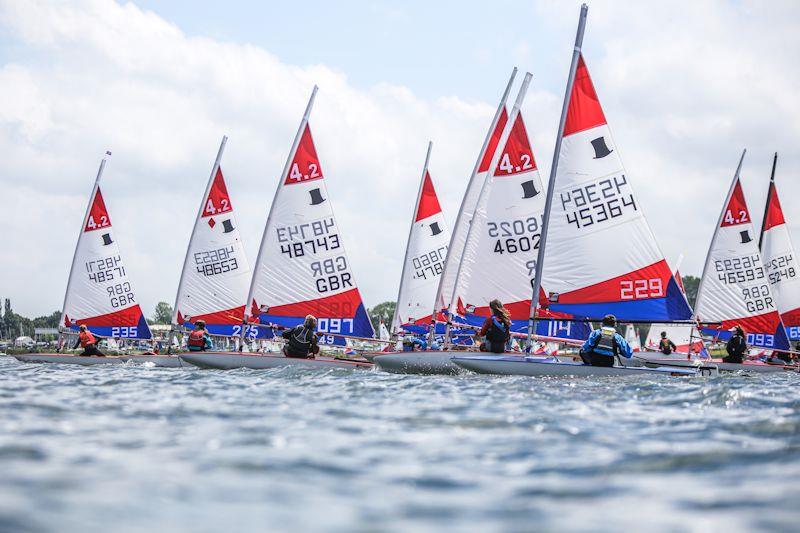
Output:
x=528 y=366
x=231 y=360
x=432 y=362
x=84 y=360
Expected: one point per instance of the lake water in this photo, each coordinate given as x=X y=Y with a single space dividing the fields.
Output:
x=130 y=448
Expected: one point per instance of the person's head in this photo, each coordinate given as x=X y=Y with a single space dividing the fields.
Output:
x=610 y=321
x=200 y=324
x=663 y=334
x=500 y=311
x=310 y=322
x=737 y=330
x=82 y=327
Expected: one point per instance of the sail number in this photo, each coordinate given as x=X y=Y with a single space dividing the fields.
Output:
x=120 y=295
x=761 y=339
x=124 y=332
x=215 y=262
x=640 y=289
x=310 y=173
x=780 y=268
x=599 y=202
x=105 y=269
x=430 y=264
x=739 y=269
x=514 y=236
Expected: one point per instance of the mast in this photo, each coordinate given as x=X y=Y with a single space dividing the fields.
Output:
x=537 y=282
x=408 y=242
x=214 y=169
x=455 y=232
x=295 y=143
x=77 y=242
x=769 y=195
x=489 y=178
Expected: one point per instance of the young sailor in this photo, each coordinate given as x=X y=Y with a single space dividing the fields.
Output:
x=665 y=345
x=496 y=329
x=301 y=341
x=89 y=343
x=413 y=344
x=199 y=339
x=736 y=347
x=604 y=344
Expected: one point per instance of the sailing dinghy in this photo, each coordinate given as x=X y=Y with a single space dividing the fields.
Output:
x=99 y=291
x=301 y=269
x=594 y=205
x=735 y=289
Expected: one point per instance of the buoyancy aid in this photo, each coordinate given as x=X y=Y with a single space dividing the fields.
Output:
x=197 y=339
x=665 y=346
x=86 y=338
x=606 y=344
x=498 y=332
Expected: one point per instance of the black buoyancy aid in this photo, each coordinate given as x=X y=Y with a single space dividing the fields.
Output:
x=606 y=344
x=665 y=347
x=300 y=341
x=498 y=332
x=197 y=338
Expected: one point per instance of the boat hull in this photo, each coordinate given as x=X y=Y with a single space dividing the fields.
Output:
x=758 y=367
x=519 y=366
x=170 y=361
x=432 y=362
x=231 y=360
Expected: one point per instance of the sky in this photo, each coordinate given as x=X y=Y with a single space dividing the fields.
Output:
x=685 y=87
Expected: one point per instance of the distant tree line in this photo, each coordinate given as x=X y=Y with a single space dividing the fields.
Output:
x=13 y=325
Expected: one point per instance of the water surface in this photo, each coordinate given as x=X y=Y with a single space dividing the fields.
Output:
x=130 y=448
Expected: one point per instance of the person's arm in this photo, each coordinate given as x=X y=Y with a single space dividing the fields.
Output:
x=314 y=344
x=484 y=328
x=77 y=343
x=588 y=346
x=672 y=345
x=207 y=339
x=624 y=348
x=287 y=334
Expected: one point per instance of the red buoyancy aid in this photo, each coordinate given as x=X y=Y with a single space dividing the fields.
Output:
x=86 y=338
x=196 y=338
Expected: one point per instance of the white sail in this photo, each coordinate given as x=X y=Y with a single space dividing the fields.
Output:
x=426 y=251
x=632 y=338
x=458 y=238
x=302 y=267
x=780 y=261
x=734 y=289
x=216 y=274
x=593 y=207
x=99 y=292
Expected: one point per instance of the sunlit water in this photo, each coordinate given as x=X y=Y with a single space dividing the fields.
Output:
x=126 y=448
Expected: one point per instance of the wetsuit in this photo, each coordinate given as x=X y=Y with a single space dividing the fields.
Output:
x=301 y=343
x=736 y=348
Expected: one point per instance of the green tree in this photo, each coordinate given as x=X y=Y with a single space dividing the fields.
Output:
x=162 y=314
x=691 y=283
x=383 y=311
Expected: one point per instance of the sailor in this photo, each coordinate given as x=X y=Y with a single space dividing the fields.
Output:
x=89 y=343
x=413 y=344
x=301 y=341
x=496 y=329
x=199 y=339
x=736 y=347
x=605 y=344
x=665 y=345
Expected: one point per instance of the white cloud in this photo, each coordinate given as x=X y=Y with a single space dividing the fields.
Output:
x=684 y=90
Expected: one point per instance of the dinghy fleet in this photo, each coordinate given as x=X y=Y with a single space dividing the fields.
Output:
x=539 y=248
